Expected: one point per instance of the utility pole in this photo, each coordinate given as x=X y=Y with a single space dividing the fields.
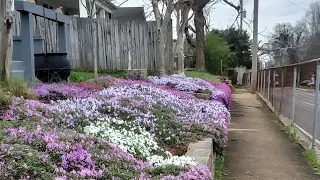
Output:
x=255 y=47
x=241 y=15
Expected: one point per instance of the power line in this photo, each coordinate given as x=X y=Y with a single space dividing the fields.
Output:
x=297 y=5
x=235 y=21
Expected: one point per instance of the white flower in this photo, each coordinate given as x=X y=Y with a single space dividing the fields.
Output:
x=142 y=143
x=173 y=160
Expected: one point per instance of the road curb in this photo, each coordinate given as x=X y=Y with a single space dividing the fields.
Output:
x=202 y=152
x=305 y=140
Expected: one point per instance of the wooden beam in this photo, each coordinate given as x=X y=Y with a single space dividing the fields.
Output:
x=37 y=10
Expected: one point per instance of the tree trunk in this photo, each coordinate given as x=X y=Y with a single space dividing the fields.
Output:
x=6 y=20
x=162 y=26
x=182 y=21
x=199 y=24
x=180 y=52
x=161 y=49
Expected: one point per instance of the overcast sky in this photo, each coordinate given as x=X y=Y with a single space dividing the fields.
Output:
x=270 y=13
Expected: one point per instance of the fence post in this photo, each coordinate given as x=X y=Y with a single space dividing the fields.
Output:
x=294 y=86
x=282 y=84
x=258 y=81
x=269 y=85
x=298 y=75
x=315 y=113
x=261 y=84
x=274 y=85
x=264 y=83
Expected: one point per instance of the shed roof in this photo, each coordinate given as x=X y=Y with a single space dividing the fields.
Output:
x=129 y=13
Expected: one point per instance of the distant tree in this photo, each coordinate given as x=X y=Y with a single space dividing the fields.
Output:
x=198 y=7
x=312 y=20
x=239 y=44
x=216 y=52
x=285 y=40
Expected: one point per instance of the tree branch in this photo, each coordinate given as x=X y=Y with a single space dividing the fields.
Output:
x=85 y=6
x=192 y=15
x=232 y=5
x=188 y=37
x=191 y=28
x=123 y=3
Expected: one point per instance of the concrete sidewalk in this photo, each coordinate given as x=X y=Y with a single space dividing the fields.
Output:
x=258 y=149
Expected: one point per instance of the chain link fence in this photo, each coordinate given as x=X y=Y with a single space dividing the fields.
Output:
x=293 y=90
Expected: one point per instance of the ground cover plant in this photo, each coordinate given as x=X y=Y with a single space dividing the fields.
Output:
x=125 y=130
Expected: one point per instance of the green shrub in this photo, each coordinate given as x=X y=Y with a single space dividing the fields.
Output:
x=75 y=77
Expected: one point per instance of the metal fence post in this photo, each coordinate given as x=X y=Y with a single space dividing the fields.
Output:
x=269 y=79
x=264 y=83
x=282 y=86
x=258 y=81
x=294 y=93
x=274 y=85
x=261 y=81
x=315 y=115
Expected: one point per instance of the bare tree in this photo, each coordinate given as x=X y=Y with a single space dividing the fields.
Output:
x=182 y=13
x=6 y=20
x=286 y=39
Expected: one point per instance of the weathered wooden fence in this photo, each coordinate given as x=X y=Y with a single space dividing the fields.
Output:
x=106 y=40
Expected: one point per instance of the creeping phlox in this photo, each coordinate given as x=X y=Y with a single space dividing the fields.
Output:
x=136 y=141
x=127 y=130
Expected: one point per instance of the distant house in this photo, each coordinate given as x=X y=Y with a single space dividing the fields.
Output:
x=103 y=8
x=129 y=13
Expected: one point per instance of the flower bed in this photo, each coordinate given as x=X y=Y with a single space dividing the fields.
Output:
x=219 y=91
x=130 y=130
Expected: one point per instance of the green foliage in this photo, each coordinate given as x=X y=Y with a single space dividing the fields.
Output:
x=11 y=88
x=23 y=159
x=75 y=77
x=216 y=51
x=292 y=132
x=219 y=167
x=239 y=46
x=5 y=101
x=313 y=160
x=81 y=76
x=17 y=88
x=165 y=170
x=117 y=168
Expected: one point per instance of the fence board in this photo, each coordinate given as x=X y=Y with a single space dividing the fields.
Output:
x=106 y=40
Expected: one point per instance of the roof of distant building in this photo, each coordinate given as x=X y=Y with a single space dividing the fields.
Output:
x=129 y=13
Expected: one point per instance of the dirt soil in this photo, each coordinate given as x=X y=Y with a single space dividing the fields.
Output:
x=258 y=149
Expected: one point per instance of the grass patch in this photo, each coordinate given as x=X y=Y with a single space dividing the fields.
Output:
x=201 y=75
x=219 y=167
x=292 y=135
x=81 y=76
x=312 y=158
x=11 y=88
x=17 y=88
